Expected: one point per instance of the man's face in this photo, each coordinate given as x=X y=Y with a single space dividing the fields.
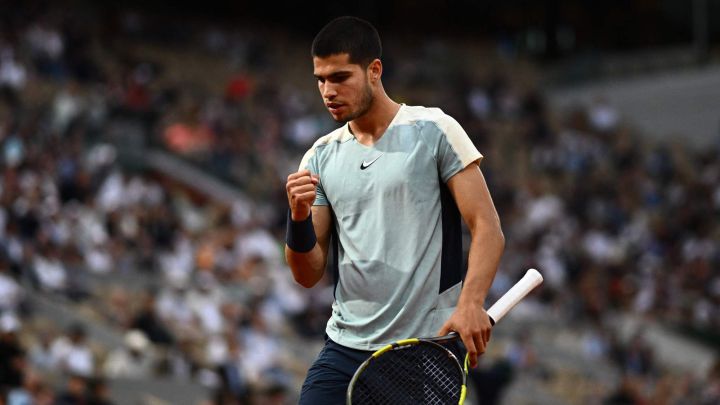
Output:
x=344 y=86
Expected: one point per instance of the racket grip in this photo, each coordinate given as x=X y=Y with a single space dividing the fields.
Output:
x=530 y=280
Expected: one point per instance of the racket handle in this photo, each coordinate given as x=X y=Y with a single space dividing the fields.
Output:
x=530 y=280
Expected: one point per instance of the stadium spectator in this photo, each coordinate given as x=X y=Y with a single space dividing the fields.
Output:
x=174 y=310
x=32 y=392
x=134 y=360
x=46 y=45
x=629 y=392
x=12 y=354
x=205 y=302
x=147 y=321
x=11 y=293
x=489 y=381
x=75 y=391
x=711 y=388
x=71 y=353
x=13 y=74
x=232 y=372
x=50 y=270
x=99 y=392
x=40 y=353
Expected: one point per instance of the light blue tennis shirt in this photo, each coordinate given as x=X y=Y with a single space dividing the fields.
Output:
x=396 y=229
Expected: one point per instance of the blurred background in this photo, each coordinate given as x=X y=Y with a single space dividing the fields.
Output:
x=144 y=149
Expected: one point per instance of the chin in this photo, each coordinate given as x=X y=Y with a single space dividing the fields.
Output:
x=340 y=118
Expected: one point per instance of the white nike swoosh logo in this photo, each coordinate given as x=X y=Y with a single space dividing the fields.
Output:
x=365 y=164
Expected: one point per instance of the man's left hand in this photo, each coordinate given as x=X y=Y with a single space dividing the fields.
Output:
x=473 y=325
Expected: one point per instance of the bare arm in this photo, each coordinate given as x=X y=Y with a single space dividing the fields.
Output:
x=308 y=267
x=473 y=199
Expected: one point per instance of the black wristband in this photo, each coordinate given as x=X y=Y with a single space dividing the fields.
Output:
x=300 y=236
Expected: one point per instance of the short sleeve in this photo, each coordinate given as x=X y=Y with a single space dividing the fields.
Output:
x=455 y=150
x=309 y=162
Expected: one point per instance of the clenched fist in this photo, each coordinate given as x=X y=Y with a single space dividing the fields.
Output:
x=301 y=188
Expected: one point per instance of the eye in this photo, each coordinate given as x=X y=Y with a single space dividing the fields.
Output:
x=339 y=78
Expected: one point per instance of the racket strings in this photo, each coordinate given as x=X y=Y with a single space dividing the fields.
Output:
x=443 y=385
x=418 y=374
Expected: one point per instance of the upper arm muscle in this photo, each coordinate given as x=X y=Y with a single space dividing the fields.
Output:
x=472 y=197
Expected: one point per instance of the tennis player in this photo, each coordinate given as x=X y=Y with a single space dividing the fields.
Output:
x=386 y=191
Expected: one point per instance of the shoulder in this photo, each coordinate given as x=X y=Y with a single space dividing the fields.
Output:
x=421 y=113
x=432 y=116
x=444 y=133
x=337 y=136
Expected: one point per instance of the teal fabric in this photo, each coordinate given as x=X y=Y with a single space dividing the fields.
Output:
x=386 y=204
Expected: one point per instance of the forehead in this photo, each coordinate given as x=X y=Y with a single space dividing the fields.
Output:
x=324 y=66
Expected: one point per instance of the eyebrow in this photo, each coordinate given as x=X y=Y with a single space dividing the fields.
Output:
x=337 y=74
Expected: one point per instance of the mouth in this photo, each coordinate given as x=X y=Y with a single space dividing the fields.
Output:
x=334 y=107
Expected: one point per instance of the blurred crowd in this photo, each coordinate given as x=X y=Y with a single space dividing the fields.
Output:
x=615 y=222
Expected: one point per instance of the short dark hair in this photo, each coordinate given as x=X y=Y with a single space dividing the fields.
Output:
x=354 y=36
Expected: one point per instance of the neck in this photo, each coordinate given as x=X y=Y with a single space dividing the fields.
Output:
x=372 y=125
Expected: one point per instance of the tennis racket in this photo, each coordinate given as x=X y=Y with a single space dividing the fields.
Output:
x=421 y=370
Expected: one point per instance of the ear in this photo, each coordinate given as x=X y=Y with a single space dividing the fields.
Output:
x=374 y=71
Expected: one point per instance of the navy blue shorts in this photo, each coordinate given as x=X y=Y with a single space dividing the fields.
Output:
x=328 y=378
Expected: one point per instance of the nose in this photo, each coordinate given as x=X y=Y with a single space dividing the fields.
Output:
x=328 y=91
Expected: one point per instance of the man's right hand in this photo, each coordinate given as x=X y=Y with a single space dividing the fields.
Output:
x=301 y=191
